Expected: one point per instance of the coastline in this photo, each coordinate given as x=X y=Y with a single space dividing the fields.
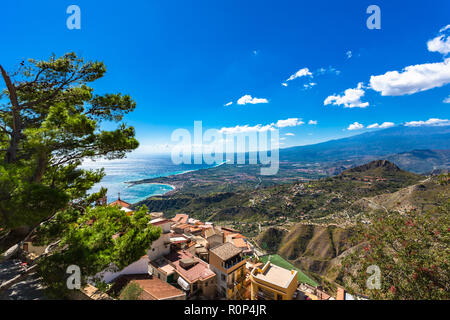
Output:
x=174 y=187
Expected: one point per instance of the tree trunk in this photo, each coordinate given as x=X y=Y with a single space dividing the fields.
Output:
x=11 y=153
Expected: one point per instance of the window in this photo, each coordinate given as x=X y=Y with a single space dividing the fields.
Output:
x=223 y=277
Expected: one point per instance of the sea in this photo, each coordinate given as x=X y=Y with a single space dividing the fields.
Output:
x=138 y=167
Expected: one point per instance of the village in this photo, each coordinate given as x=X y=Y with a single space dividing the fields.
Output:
x=195 y=260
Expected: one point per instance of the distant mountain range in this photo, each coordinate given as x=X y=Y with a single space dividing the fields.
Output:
x=395 y=140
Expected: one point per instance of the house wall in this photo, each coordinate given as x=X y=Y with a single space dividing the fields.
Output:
x=222 y=284
x=137 y=267
x=160 y=247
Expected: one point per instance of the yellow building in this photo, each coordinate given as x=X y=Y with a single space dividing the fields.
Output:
x=273 y=283
x=228 y=262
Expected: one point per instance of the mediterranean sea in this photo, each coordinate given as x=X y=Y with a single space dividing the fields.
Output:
x=138 y=167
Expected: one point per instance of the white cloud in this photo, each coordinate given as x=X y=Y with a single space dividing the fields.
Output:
x=447 y=100
x=330 y=70
x=349 y=54
x=246 y=128
x=284 y=84
x=228 y=104
x=309 y=85
x=248 y=99
x=291 y=122
x=312 y=122
x=300 y=73
x=382 y=126
x=350 y=99
x=441 y=43
x=430 y=122
x=290 y=134
x=412 y=79
x=355 y=126
x=283 y=138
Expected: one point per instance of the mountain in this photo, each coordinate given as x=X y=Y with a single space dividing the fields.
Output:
x=378 y=143
x=422 y=161
x=318 y=248
x=299 y=200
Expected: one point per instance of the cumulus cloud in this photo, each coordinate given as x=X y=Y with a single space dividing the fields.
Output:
x=290 y=134
x=441 y=43
x=300 y=73
x=312 y=122
x=349 y=54
x=355 y=126
x=284 y=84
x=350 y=99
x=430 y=122
x=248 y=99
x=382 y=126
x=291 y=122
x=228 y=104
x=412 y=79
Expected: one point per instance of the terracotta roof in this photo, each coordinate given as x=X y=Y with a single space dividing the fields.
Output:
x=157 y=289
x=240 y=243
x=200 y=271
x=120 y=203
x=226 y=251
x=180 y=217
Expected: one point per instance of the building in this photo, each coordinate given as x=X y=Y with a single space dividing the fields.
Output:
x=123 y=205
x=192 y=274
x=273 y=283
x=227 y=261
x=110 y=274
x=213 y=236
x=161 y=246
x=180 y=218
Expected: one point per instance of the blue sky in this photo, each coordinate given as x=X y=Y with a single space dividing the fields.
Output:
x=184 y=60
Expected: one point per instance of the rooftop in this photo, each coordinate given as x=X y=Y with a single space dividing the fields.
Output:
x=120 y=203
x=276 y=275
x=182 y=218
x=226 y=251
x=157 y=289
x=199 y=271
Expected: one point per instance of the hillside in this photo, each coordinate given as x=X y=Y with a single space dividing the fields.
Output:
x=301 y=200
x=319 y=249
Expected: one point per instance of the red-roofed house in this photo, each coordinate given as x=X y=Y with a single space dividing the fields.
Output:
x=194 y=275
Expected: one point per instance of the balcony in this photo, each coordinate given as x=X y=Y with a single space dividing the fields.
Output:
x=232 y=262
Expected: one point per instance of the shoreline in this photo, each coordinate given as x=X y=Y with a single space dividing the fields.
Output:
x=142 y=181
x=174 y=188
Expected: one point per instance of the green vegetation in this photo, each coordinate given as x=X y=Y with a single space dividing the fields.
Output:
x=49 y=122
x=131 y=292
x=411 y=251
x=299 y=200
x=94 y=240
x=279 y=261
